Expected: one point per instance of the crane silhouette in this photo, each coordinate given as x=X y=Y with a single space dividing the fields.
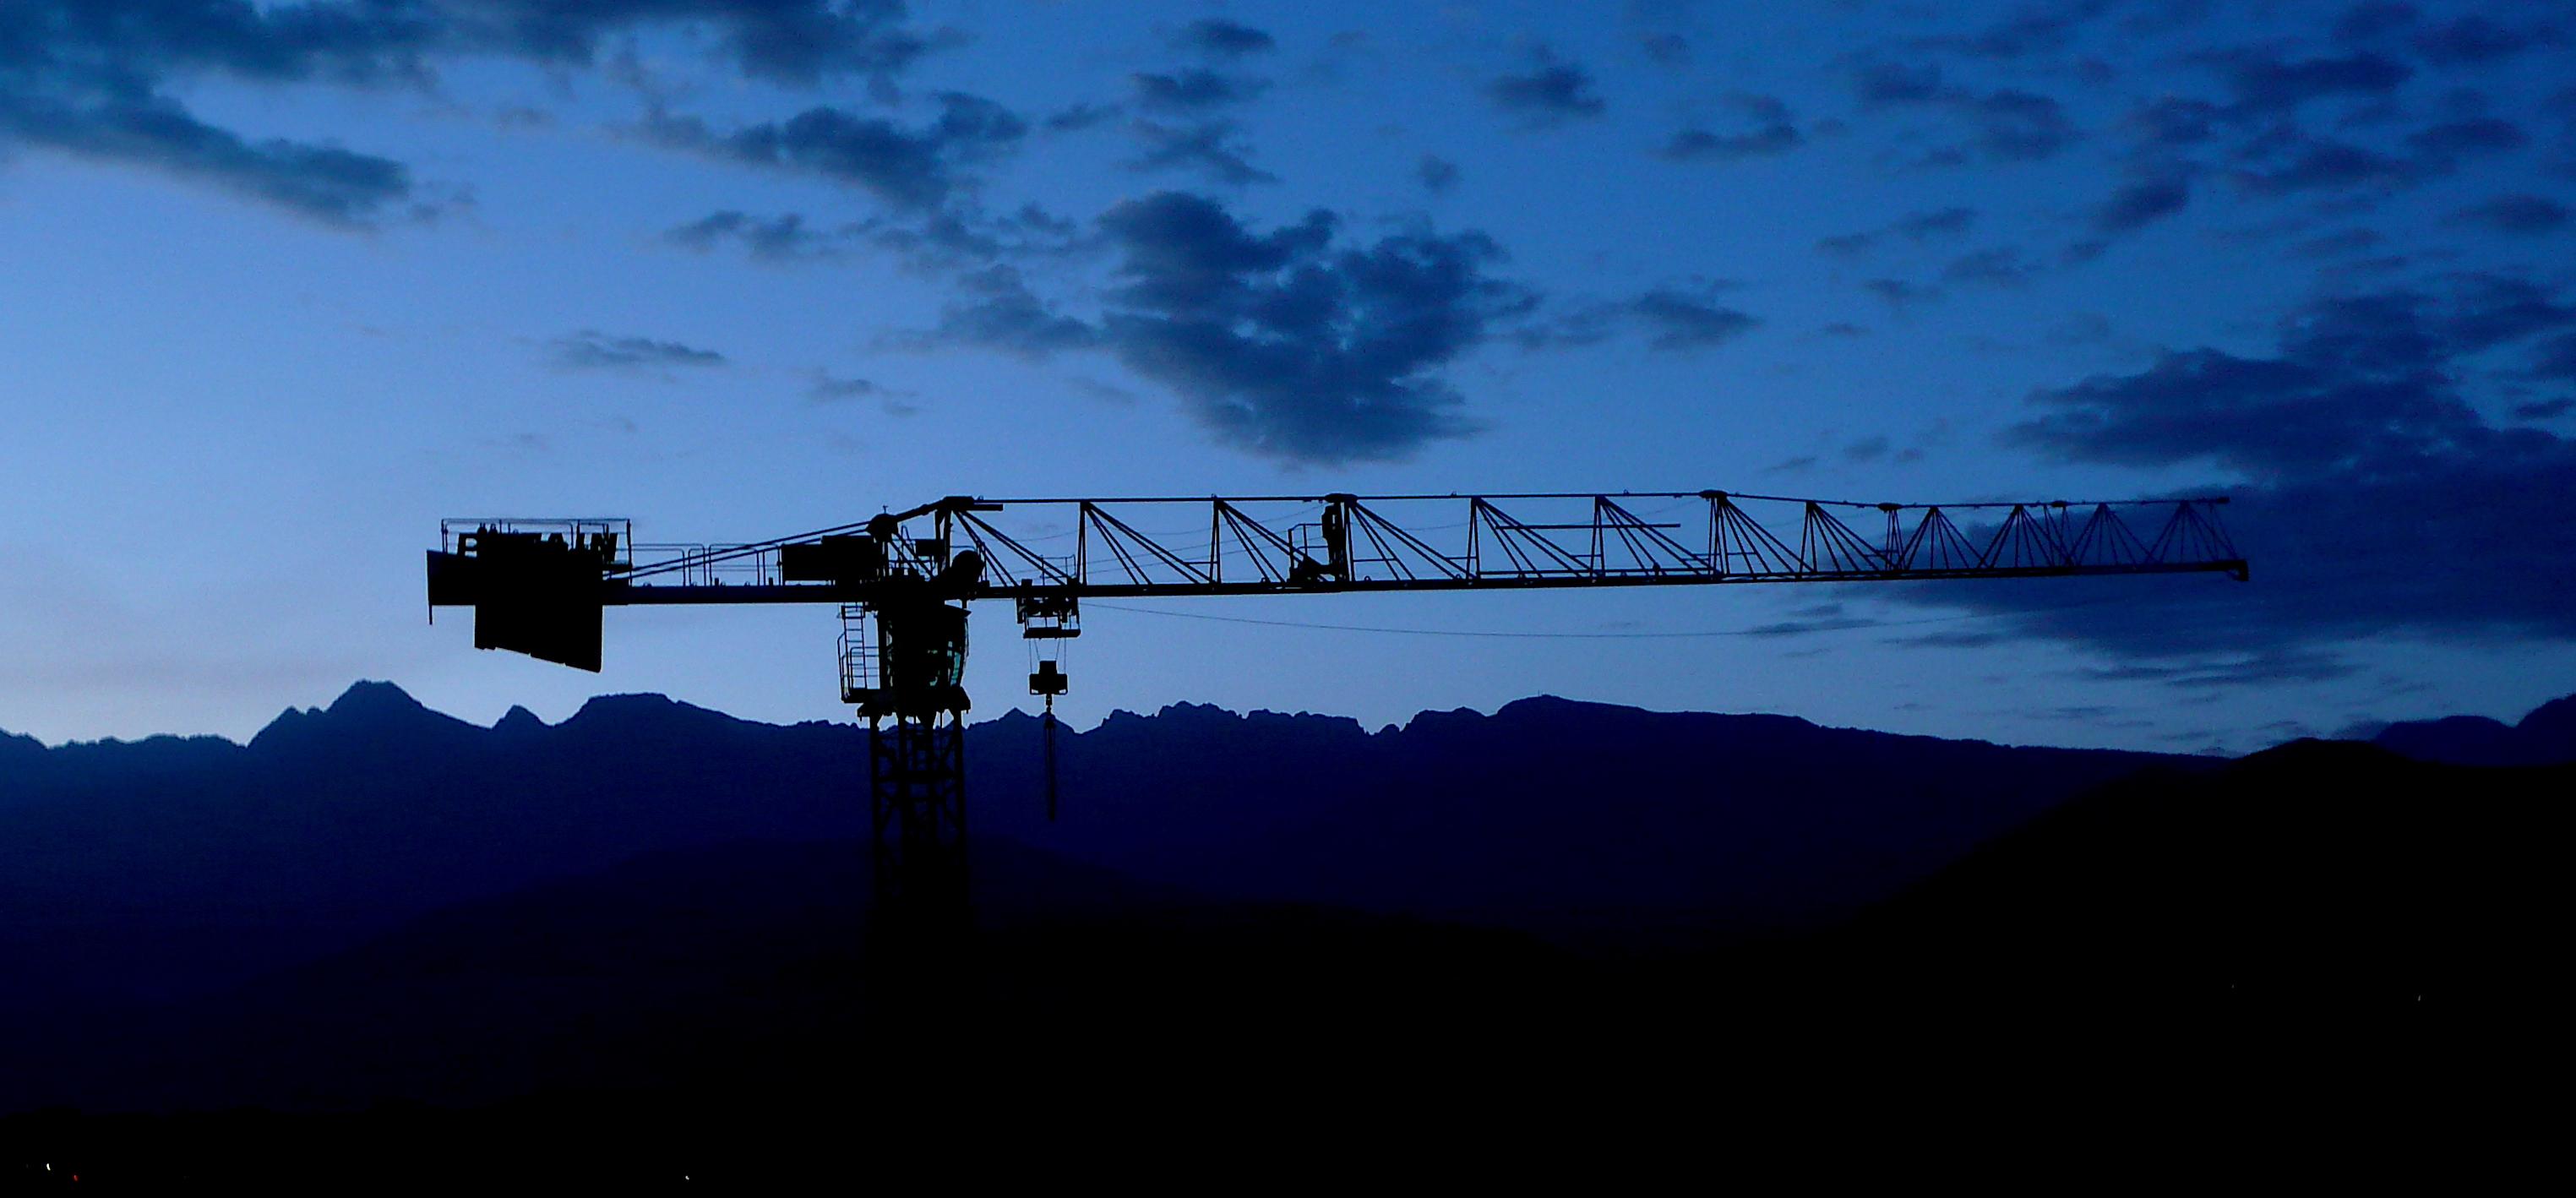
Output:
x=539 y=587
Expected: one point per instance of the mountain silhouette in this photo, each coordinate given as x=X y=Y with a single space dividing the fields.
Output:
x=2547 y=736
x=1548 y=815
x=649 y=924
x=2305 y=881
x=167 y=867
x=160 y=869
x=2314 y=877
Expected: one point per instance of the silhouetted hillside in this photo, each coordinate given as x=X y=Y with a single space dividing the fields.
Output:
x=166 y=868
x=2303 y=882
x=2310 y=878
x=1549 y=814
x=2547 y=736
x=743 y=970
x=689 y=1000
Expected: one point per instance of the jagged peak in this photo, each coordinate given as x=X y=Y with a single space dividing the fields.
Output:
x=1427 y=718
x=518 y=721
x=366 y=697
x=1188 y=710
x=365 y=705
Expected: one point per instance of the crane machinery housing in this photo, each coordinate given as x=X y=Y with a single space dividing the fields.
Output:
x=903 y=582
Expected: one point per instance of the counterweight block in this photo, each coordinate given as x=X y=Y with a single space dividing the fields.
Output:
x=533 y=594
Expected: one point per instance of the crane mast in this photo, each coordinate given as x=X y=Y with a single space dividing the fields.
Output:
x=903 y=582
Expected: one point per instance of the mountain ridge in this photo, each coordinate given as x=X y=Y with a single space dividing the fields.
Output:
x=334 y=822
x=378 y=699
x=2546 y=735
x=174 y=865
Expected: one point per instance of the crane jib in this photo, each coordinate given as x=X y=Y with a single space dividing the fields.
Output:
x=538 y=586
x=903 y=582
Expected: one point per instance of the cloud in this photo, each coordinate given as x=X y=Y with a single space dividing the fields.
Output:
x=1665 y=49
x=2006 y=124
x=960 y=236
x=590 y=349
x=324 y=183
x=1438 y=174
x=2557 y=359
x=2019 y=126
x=2262 y=144
x=2474 y=40
x=2264 y=82
x=908 y=168
x=782 y=238
x=1675 y=318
x=82 y=81
x=1996 y=266
x=2527 y=215
x=1553 y=92
x=1211 y=148
x=1696 y=144
x=1079 y=117
x=2172 y=122
x=91 y=77
x=2373 y=497
x=798 y=42
x=1193 y=90
x=1224 y=39
x=1898 y=293
x=2360 y=384
x=827 y=388
x=2340 y=243
x=1682 y=320
x=1771 y=131
x=1287 y=345
x=1939 y=222
x=2329 y=165
x=2140 y=204
x=2266 y=666
x=2031 y=29
x=1296 y=344
x=2373 y=20
x=1805 y=621
x=1004 y=314
x=2478 y=135
x=784 y=41
x=1951 y=640
x=1930 y=225
x=1885 y=83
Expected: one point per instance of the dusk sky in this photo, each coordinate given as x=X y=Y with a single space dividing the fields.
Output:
x=287 y=283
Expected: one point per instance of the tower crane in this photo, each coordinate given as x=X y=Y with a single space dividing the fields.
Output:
x=903 y=580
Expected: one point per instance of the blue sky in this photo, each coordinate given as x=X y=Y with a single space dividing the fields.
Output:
x=287 y=283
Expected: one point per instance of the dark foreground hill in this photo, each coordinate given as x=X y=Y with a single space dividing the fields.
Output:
x=171 y=869
x=691 y=1001
x=649 y=925
x=2310 y=879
